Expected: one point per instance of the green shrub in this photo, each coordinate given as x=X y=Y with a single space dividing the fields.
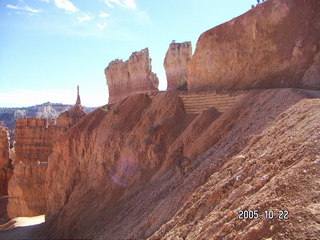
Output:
x=182 y=85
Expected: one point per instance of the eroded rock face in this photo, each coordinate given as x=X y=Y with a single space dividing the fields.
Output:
x=35 y=138
x=70 y=117
x=176 y=63
x=27 y=190
x=4 y=147
x=274 y=45
x=116 y=149
x=5 y=161
x=132 y=76
x=5 y=170
x=138 y=170
x=34 y=141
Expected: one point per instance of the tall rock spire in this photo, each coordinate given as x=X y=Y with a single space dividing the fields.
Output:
x=78 y=102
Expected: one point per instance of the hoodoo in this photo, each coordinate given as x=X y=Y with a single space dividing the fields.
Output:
x=35 y=138
x=132 y=76
x=68 y=118
x=176 y=63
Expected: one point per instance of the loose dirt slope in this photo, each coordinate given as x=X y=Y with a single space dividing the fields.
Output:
x=262 y=154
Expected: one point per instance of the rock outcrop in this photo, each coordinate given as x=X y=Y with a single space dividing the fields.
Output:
x=9 y=116
x=137 y=169
x=132 y=76
x=4 y=148
x=5 y=171
x=35 y=138
x=274 y=45
x=34 y=141
x=113 y=151
x=68 y=118
x=176 y=63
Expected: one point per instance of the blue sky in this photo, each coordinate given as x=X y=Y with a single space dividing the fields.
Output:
x=48 y=47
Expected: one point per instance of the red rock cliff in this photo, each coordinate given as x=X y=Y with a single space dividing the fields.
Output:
x=176 y=63
x=5 y=170
x=274 y=45
x=35 y=138
x=143 y=168
x=132 y=76
x=4 y=147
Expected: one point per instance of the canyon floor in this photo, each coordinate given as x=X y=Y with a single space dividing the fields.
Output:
x=261 y=154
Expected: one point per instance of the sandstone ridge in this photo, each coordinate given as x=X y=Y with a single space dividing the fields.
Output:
x=132 y=76
x=274 y=45
x=151 y=159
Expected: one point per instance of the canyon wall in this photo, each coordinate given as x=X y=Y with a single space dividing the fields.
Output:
x=274 y=45
x=5 y=171
x=116 y=148
x=176 y=63
x=144 y=168
x=132 y=76
x=35 y=138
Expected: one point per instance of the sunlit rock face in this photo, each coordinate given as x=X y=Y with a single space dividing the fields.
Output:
x=132 y=76
x=274 y=45
x=176 y=63
x=35 y=138
x=5 y=171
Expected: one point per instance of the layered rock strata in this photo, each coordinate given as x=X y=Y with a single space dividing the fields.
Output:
x=274 y=45
x=35 y=138
x=5 y=171
x=176 y=63
x=136 y=169
x=132 y=76
x=34 y=141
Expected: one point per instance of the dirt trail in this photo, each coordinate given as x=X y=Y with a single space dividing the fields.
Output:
x=22 y=228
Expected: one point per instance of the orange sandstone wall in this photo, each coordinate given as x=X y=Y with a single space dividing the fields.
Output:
x=34 y=141
x=5 y=171
x=35 y=138
x=274 y=45
x=132 y=76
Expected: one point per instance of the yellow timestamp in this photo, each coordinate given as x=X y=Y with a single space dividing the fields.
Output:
x=267 y=214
